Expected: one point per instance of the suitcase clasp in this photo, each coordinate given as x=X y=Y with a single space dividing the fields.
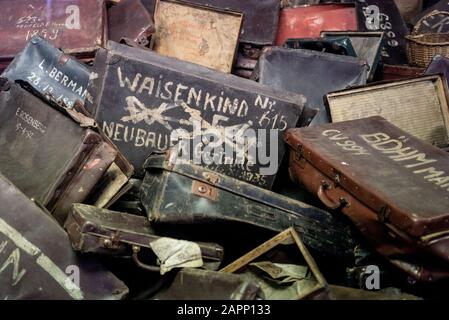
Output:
x=204 y=190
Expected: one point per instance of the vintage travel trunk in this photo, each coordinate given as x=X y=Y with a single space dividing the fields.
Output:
x=37 y=260
x=367 y=45
x=309 y=21
x=199 y=34
x=384 y=16
x=418 y=106
x=177 y=192
x=48 y=155
x=95 y=230
x=260 y=20
x=390 y=184
x=130 y=22
x=197 y=284
x=310 y=73
x=146 y=102
x=50 y=72
x=77 y=27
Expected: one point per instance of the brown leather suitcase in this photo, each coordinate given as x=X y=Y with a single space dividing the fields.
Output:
x=101 y=231
x=130 y=22
x=78 y=27
x=390 y=184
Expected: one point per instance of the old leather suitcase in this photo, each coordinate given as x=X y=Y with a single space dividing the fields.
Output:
x=177 y=192
x=50 y=72
x=337 y=45
x=367 y=46
x=390 y=184
x=37 y=260
x=310 y=73
x=309 y=21
x=383 y=15
x=197 y=284
x=418 y=106
x=130 y=22
x=203 y=35
x=47 y=154
x=392 y=72
x=142 y=98
x=78 y=27
x=95 y=230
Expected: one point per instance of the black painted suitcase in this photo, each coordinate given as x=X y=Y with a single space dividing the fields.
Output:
x=384 y=15
x=95 y=230
x=50 y=156
x=37 y=260
x=176 y=192
x=53 y=74
x=146 y=102
x=310 y=73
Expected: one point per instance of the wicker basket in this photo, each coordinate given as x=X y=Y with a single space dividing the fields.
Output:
x=422 y=48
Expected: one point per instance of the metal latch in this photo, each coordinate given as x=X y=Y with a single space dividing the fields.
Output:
x=204 y=190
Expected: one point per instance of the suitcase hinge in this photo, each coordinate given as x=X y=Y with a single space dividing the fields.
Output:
x=204 y=190
x=113 y=242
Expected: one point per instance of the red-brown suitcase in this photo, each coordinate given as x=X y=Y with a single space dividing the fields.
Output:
x=77 y=27
x=309 y=21
x=393 y=186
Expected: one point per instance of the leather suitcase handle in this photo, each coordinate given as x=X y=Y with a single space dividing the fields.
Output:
x=329 y=203
x=136 y=250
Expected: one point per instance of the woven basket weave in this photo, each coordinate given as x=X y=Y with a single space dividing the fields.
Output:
x=422 y=48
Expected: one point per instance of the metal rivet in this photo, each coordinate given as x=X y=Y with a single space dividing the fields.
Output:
x=202 y=189
x=107 y=243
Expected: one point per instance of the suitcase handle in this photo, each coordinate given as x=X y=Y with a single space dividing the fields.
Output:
x=329 y=203
x=140 y=264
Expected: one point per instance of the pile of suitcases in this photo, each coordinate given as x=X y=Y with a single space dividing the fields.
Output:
x=224 y=149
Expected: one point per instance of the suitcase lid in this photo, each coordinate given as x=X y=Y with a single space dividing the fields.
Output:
x=195 y=33
x=45 y=261
x=50 y=72
x=418 y=106
x=310 y=73
x=260 y=21
x=367 y=45
x=396 y=175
